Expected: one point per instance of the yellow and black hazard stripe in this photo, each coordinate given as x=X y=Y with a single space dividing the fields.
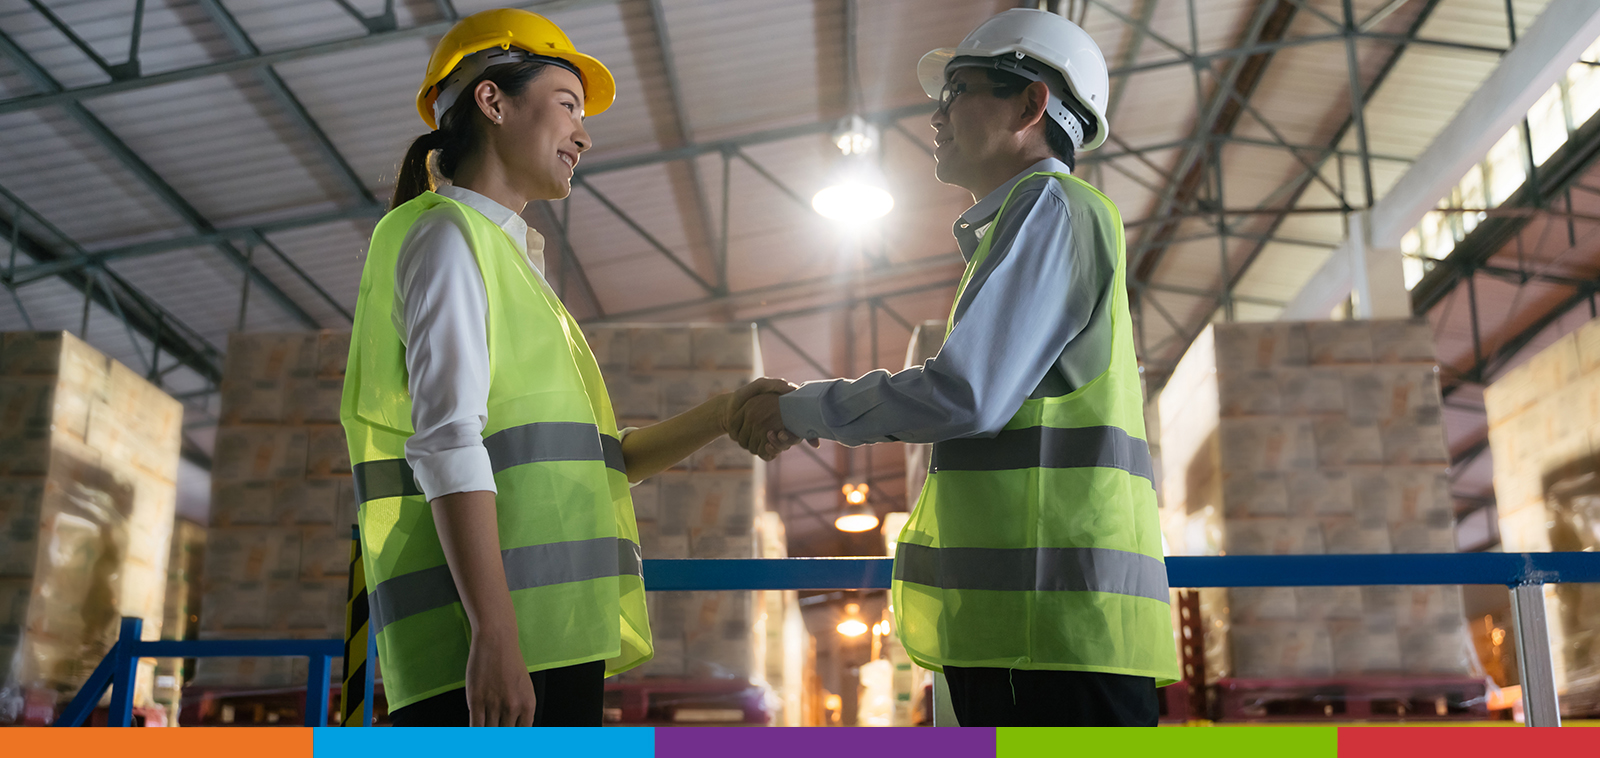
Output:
x=353 y=695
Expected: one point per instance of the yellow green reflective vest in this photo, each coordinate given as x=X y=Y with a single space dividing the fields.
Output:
x=567 y=533
x=1039 y=548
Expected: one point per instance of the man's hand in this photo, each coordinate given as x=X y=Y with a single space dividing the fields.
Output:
x=735 y=401
x=752 y=418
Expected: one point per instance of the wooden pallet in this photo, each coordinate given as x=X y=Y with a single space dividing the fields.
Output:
x=1396 y=698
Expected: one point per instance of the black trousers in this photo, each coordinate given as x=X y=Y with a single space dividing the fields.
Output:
x=575 y=697
x=1014 y=697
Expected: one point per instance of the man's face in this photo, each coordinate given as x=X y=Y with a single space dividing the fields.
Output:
x=970 y=127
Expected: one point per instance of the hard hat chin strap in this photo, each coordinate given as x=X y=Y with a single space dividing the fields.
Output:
x=1062 y=107
x=473 y=66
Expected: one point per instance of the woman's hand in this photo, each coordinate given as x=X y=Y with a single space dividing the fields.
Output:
x=499 y=692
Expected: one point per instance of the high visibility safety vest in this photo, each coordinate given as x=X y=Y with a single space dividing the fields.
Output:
x=567 y=533
x=1040 y=548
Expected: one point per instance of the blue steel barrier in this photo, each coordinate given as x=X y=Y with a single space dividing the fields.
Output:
x=1524 y=573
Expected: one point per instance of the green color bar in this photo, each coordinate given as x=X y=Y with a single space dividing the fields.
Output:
x=1221 y=742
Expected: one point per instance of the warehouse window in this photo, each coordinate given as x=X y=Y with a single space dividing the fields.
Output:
x=1571 y=102
x=1547 y=124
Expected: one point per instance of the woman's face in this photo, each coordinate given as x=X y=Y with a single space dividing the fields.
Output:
x=540 y=134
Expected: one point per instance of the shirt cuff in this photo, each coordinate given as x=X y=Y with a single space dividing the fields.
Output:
x=802 y=411
x=462 y=469
x=622 y=434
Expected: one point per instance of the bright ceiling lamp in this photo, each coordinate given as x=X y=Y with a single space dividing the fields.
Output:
x=856 y=516
x=858 y=191
x=852 y=626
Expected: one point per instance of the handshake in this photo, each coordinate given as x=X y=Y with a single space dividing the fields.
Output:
x=751 y=418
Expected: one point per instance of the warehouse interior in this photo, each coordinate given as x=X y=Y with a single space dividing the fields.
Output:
x=1363 y=254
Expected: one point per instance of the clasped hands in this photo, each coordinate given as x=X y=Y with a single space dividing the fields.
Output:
x=751 y=418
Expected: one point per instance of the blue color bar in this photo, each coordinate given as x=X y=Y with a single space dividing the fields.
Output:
x=622 y=742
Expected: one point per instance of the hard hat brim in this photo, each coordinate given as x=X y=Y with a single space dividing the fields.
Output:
x=930 y=74
x=599 y=86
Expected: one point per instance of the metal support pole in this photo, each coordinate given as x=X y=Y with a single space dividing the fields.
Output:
x=1357 y=101
x=1539 y=704
x=244 y=289
x=1472 y=307
x=317 y=691
x=126 y=670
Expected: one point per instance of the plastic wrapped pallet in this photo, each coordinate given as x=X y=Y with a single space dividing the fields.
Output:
x=1544 y=423
x=180 y=613
x=1305 y=439
x=278 y=549
x=88 y=469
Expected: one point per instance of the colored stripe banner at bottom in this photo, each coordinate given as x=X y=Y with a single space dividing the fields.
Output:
x=1217 y=742
x=615 y=742
x=822 y=742
x=1404 y=742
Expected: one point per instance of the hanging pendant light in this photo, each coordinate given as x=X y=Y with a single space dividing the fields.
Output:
x=856 y=515
x=857 y=191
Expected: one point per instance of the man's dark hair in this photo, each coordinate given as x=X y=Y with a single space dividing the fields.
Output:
x=1007 y=84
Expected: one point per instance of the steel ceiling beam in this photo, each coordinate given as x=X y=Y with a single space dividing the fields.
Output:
x=1290 y=192
x=274 y=84
x=113 y=293
x=245 y=63
x=97 y=130
x=679 y=123
x=1217 y=117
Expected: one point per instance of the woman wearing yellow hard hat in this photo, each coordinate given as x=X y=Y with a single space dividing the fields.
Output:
x=501 y=554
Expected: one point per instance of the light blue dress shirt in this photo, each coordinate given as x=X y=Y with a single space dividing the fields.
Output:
x=1034 y=319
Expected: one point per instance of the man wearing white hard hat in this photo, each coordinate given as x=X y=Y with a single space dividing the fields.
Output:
x=1031 y=570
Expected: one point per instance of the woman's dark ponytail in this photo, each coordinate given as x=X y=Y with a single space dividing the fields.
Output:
x=415 y=178
x=457 y=135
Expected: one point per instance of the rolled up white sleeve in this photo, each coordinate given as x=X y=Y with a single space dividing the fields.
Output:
x=441 y=312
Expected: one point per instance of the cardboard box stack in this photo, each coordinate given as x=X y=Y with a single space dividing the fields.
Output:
x=1309 y=438
x=780 y=629
x=180 y=614
x=707 y=506
x=88 y=471
x=1544 y=430
x=278 y=550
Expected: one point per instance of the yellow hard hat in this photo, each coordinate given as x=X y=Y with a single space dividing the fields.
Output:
x=506 y=28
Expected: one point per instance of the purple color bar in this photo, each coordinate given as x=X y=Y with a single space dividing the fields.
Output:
x=681 y=742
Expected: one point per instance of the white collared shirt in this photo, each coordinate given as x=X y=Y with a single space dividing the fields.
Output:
x=441 y=311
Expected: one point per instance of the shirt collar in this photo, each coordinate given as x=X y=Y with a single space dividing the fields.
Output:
x=984 y=211
x=503 y=217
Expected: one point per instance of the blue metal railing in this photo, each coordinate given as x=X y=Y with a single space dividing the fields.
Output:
x=1524 y=573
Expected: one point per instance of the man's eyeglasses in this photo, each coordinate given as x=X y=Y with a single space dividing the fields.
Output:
x=947 y=96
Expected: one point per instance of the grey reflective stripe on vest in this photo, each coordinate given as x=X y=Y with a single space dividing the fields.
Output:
x=526 y=567
x=529 y=443
x=376 y=480
x=1047 y=447
x=1033 y=569
x=550 y=441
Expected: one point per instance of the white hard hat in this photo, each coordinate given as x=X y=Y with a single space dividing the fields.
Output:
x=1015 y=35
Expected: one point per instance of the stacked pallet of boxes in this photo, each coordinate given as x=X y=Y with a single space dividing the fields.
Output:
x=780 y=631
x=1313 y=438
x=706 y=507
x=1544 y=429
x=88 y=469
x=181 y=609
x=278 y=550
